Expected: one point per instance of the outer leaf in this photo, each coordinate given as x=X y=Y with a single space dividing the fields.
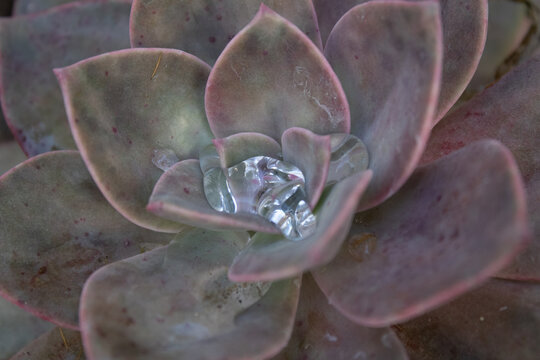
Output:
x=55 y=230
x=10 y=155
x=388 y=57
x=124 y=105
x=239 y=147
x=270 y=78
x=31 y=46
x=456 y=222
x=464 y=31
x=17 y=328
x=311 y=154
x=515 y=122
x=271 y=257
x=56 y=344
x=321 y=333
x=176 y=303
x=23 y=7
x=204 y=27
x=179 y=196
x=499 y=321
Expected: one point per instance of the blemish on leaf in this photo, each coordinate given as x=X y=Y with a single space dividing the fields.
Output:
x=114 y=130
x=157 y=66
x=212 y=39
x=362 y=245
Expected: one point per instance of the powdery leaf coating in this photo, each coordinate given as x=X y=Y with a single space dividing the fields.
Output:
x=55 y=344
x=10 y=155
x=18 y=328
x=508 y=111
x=204 y=27
x=46 y=260
x=270 y=78
x=124 y=105
x=322 y=333
x=176 y=303
x=499 y=321
x=460 y=20
x=456 y=222
x=31 y=46
x=238 y=147
x=388 y=57
x=271 y=257
x=311 y=154
x=179 y=196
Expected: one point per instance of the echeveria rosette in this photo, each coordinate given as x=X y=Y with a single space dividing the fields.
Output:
x=123 y=105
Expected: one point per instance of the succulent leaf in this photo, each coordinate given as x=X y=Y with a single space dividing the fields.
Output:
x=270 y=78
x=57 y=343
x=239 y=147
x=321 y=332
x=499 y=321
x=45 y=261
x=10 y=155
x=124 y=105
x=508 y=111
x=31 y=46
x=454 y=223
x=204 y=27
x=176 y=303
x=271 y=257
x=392 y=79
x=179 y=196
x=311 y=154
x=17 y=328
x=23 y=7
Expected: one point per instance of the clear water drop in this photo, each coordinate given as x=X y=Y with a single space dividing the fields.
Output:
x=264 y=186
x=164 y=158
x=349 y=156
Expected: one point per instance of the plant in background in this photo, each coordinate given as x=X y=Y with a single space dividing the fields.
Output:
x=276 y=180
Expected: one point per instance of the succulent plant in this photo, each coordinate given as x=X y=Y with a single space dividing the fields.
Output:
x=280 y=179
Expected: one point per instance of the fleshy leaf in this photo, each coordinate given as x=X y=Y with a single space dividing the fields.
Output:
x=311 y=154
x=454 y=223
x=239 y=147
x=270 y=78
x=514 y=122
x=271 y=257
x=55 y=230
x=18 y=328
x=176 y=303
x=23 y=7
x=204 y=27
x=179 y=196
x=388 y=57
x=499 y=321
x=124 y=105
x=10 y=155
x=31 y=46
x=321 y=332
x=460 y=20
x=57 y=343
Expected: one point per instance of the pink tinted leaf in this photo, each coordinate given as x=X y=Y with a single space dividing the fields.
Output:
x=17 y=328
x=321 y=332
x=122 y=106
x=499 y=321
x=239 y=147
x=23 y=7
x=271 y=257
x=272 y=77
x=454 y=223
x=204 y=27
x=31 y=46
x=311 y=154
x=56 y=229
x=514 y=122
x=177 y=303
x=179 y=196
x=388 y=57
x=57 y=343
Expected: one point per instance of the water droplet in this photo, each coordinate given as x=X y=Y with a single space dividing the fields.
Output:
x=264 y=186
x=349 y=156
x=360 y=246
x=164 y=158
x=330 y=337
